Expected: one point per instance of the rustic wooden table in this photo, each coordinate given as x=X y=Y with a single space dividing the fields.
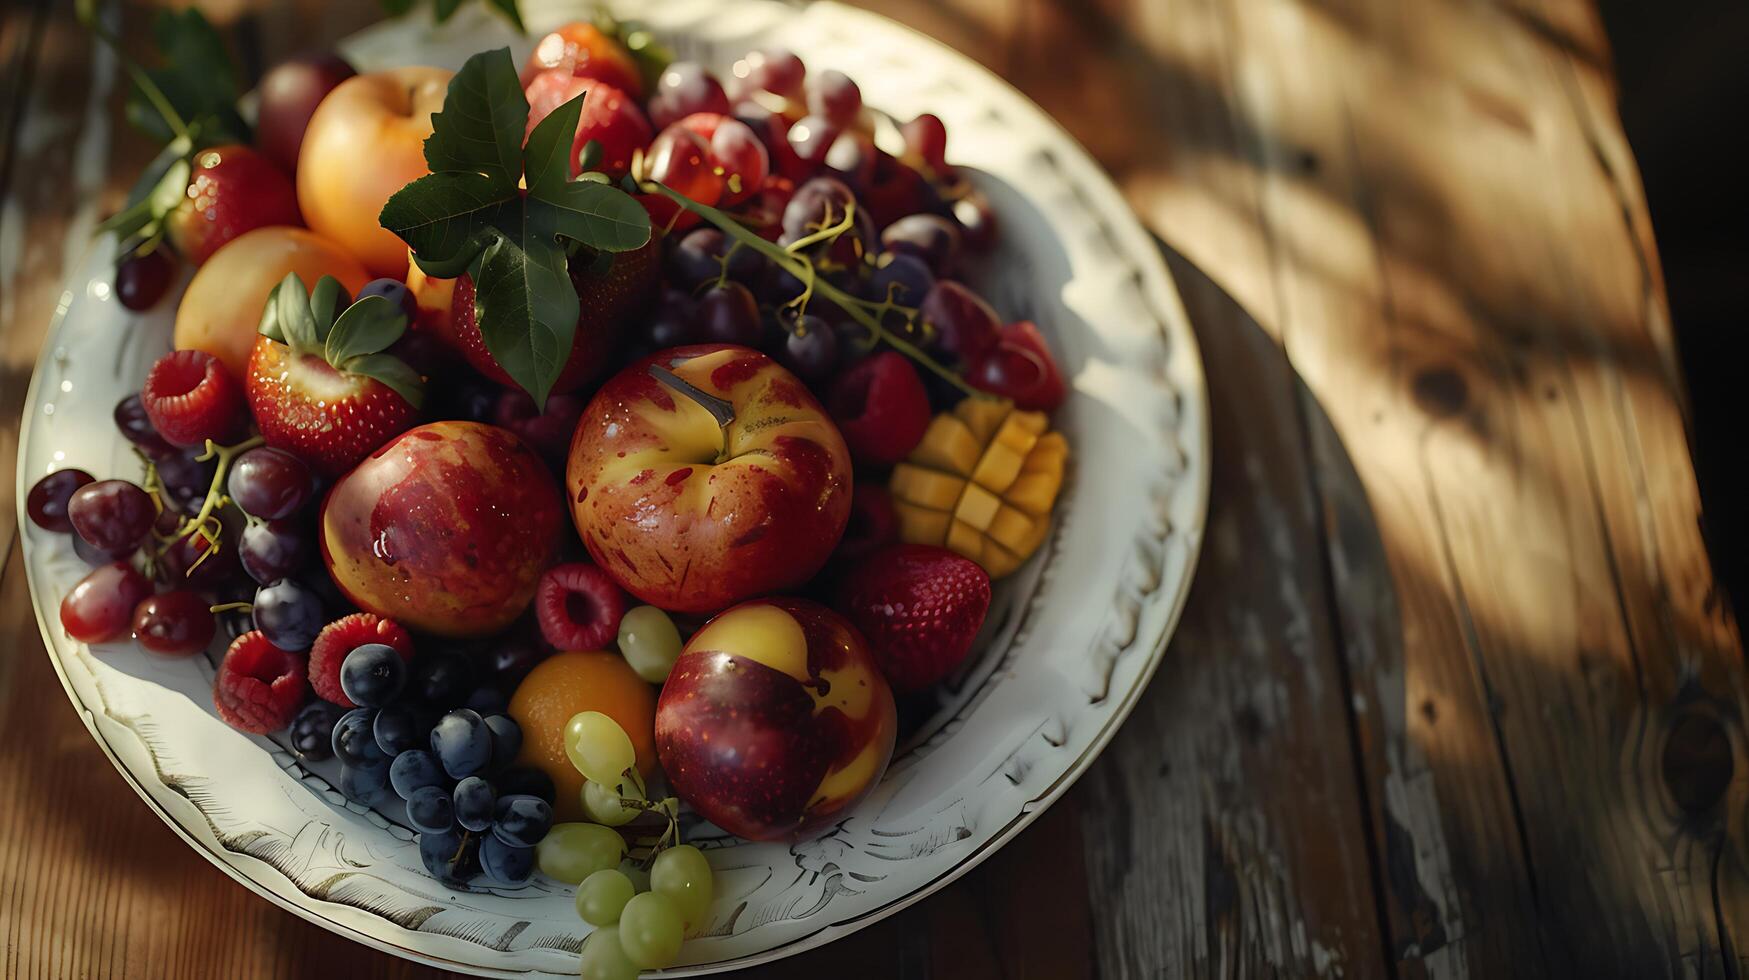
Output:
x=1456 y=693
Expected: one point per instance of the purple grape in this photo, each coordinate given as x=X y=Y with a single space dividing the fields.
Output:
x=112 y=515
x=834 y=97
x=48 y=498
x=186 y=480
x=929 y=237
x=393 y=290
x=288 y=614
x=698 y=259
x=270 y=483
x=770 y=70
x=131 y=419
x=685 y=87
x=728 y=314
x=904 y=279
x=959 y=322
x=810 y=349
x=141 y=279
x=272 y=550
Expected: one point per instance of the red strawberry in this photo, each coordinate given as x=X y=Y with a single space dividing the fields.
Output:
x=1019 y=367
x=233 y=189
x=606 y=302
x=920 y=608
x=578 y=607
x=343 y=636
x=259 y=687
x=319 y=383
x=881 y=408
x=190 y=398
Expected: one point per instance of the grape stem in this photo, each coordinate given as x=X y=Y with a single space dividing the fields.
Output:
x=803 y=269
x=215 y=498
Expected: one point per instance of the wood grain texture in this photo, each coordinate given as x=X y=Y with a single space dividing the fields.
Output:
x=1456 y=694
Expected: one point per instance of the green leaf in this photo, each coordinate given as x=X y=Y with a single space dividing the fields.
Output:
x=198 y=79
x=292 y=310
x=327 y=301
x=368 y=326
x=446 y=8
x=391 y=371
x=395 y=8
x=483 y=120
x=447 y=218
x=508 y=9
x=470 y=215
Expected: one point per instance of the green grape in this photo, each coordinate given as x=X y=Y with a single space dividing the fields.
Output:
x=598 y=747
x=602 y=804
x=602 y=896
x=682 y=873
x=571 y=852
x=650 y=930
x=650 y=642
x=604 y=958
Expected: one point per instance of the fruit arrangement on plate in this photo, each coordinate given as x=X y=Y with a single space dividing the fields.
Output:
x=622 y=440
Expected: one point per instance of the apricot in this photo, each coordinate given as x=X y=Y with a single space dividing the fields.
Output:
x=221 y=311
x=365 y=142
x=561 y=686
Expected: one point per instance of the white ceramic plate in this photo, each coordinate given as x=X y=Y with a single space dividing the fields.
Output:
x=1071 y=642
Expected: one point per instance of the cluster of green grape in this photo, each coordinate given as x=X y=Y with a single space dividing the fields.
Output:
x=635 y=929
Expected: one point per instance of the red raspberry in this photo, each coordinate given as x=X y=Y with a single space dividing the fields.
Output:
x=578 y=607
x=343 y=636
x=190 y=398
x=881 y=408
x=260 y=687
x=920 y=608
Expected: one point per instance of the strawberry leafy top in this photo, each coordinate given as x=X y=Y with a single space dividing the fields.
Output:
x=350 y=336
x=472 y=214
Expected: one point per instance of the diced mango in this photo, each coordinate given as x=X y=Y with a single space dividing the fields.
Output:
x=1011 y=528
x=920 y=525
x=998 y=467
x=977 y=507
x=982 y=416
x=926 y=487
x=948 y=444
x=965 y=539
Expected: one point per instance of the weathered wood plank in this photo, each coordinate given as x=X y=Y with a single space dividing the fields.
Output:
x=1466 y=286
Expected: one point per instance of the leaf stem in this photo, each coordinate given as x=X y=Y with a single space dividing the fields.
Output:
x=142 y=79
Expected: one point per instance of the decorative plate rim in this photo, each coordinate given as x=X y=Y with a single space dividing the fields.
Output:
x=1184 y=366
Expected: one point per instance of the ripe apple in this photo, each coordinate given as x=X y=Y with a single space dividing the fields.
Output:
x=775 y=720
x=290 y=93
x=232 y=190
x=581 y=49
x=444 y=529
x=609 y=116
x=701 y=476
x=221 y=311
x=365 y=142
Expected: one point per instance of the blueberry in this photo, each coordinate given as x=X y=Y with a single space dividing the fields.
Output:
x=512 y=661
x=393 y=290
x=523 y=781
x=506 y=740
x=397 y=730
x=430 y=810
x=288 y=614
x=522 y=821
x=488 y=701
x=447 y=854
x=442 y=679
x=355 y=742
x=367 y=784
x=504 y=863
x=475 y=801
x=462 y=743
x=372 y=675
x=414 y=770
x=312 y=731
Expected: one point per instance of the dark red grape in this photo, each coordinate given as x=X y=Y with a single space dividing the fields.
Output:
x=272 y=550
x=809 y=139
x=681 y=160
x=770 y=70
x=395 y=291
x=903 y=279
x=131 y=419
x=854 y=342
x=47 y=501
x=698 y=258
x=851 y=158
x=742 y=156
x=811 y=349
x=101 y=607
x=94 y=556
x=270 y=483
x=185 y=479
x=113 y=515
x=977 y=221
x=822 y=203
x=926 y=139
x=728 y=314
x=184 y=566
x=929 y=237
x=957 y=321
x=834 y=97
x=674 y=324
x=771 y=129
x=685 y=87
x=141 y=279
x=176 y=623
